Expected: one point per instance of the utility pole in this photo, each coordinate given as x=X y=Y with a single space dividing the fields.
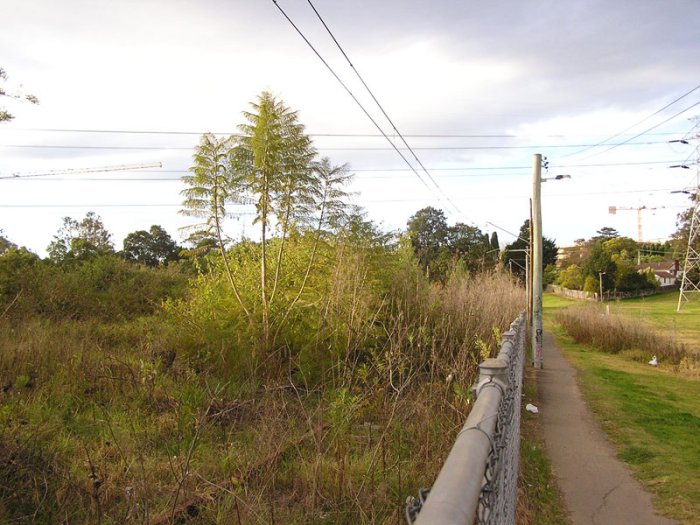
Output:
x=536 y=268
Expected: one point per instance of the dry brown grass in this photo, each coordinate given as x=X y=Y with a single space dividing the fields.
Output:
x=617 y=333
x=113 y=423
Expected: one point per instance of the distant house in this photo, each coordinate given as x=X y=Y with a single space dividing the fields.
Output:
x=666 y=272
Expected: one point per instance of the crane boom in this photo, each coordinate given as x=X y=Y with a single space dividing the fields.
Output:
x=614 y=209
x=70 y=171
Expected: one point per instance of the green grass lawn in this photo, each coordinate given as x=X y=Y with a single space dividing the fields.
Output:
x=660 y=311
x=651 y=415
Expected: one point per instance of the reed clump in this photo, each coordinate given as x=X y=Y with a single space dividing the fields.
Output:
x=616 y=333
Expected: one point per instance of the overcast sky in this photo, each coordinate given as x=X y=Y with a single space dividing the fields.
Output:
x=549 y=77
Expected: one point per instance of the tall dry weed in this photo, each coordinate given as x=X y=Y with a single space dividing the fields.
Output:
x=132 y=429
x=616 y=333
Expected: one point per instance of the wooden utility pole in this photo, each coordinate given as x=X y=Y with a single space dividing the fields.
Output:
x=536 y=268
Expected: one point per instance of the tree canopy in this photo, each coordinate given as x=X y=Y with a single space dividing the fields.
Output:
x=271 y=163
x=152 y=247
x=77 y=240
x=436 y=244
x=4 y=114
x=515 y=251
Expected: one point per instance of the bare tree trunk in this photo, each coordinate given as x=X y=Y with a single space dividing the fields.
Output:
x=222 y=248
x=285 y=227
x=309 y=267
x=263 y=283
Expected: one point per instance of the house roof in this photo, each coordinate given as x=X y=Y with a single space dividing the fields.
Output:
x=664 y=274
x=658 y=266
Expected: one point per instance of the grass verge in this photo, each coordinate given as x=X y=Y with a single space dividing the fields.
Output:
x=652 y=417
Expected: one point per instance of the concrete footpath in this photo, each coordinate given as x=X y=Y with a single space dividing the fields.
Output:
x=598 y=488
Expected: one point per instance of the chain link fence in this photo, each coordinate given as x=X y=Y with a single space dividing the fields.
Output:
x=478 y=482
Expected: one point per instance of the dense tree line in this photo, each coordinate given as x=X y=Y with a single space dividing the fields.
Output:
x=439 y=246
x=610 y=261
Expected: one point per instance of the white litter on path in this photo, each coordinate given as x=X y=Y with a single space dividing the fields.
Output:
x=531 y=408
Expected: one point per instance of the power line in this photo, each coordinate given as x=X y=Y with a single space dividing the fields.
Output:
x=353 y=148
x=616 y=135
x=235 y=133
x=359 y=201
x=646 y=131
x=347 y=89
x=381 y=108
x=331 y=135
x=400 y=170
x=479 y=168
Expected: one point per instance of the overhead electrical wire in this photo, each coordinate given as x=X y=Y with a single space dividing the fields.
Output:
x=616 y=135
x=645 y=131
x=347 y=89
x=352 y=148
x=166 y=205
x=340 y=135
x=381 y=108
x=16 y=176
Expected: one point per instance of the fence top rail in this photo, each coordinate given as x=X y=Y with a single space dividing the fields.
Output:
x=455 y=496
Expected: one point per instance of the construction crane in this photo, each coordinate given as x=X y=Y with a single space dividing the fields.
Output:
x=71 y=171
x=614 y=209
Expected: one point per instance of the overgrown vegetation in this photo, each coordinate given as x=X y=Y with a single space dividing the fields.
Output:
x=659 y=312
x=588 y=324
x=144 y=419
x=300 y=378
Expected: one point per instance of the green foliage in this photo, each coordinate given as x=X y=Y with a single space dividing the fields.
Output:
x=571 y=277
x=591 y=284
x=209 y=188
x=627 y=278
x=513 y=252
x=495 y=246
x=621 y=249
x=550 y=274
x=438 y=246
x=683 y=223
x=271 y=164
x=5 y=243
x=600 y=262
x=80 y=240
x=428 y=232
x=4 y=114
x=17 y=268
x=100 y=287
x=151 y=247
x=606 y=233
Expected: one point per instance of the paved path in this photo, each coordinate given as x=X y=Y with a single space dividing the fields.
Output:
x=598 y=488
